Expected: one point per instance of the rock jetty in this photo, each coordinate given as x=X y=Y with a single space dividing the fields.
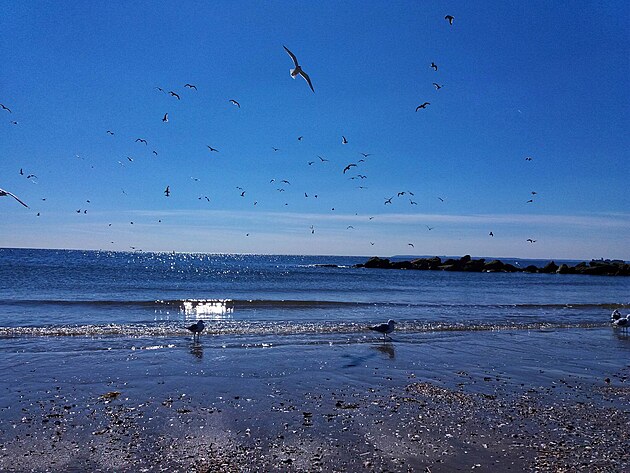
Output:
x=467 y=264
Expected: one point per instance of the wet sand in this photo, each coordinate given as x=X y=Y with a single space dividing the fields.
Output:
x=487 y=401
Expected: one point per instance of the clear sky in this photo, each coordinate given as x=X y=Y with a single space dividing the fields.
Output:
x=538 y=79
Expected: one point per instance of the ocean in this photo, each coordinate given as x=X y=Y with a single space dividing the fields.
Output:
x=61 y=292
x=98 y=371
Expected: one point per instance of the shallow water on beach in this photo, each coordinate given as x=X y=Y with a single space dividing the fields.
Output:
x=58 y=292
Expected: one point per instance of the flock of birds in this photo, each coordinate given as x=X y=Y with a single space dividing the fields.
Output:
x=349 y=168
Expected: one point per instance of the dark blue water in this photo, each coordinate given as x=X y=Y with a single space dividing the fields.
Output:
x=59 y=292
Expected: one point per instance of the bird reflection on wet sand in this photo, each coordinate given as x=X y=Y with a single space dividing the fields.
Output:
x=387 y=348
x=196 y=349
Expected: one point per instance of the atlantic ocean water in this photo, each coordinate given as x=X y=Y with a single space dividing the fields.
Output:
x=61 y=292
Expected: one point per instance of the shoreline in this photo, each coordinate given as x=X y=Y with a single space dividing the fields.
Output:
x=489 y=401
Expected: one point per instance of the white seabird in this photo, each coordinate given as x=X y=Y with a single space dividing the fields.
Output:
x=298 y=69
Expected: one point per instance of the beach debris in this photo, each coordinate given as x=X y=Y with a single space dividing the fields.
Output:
x=110 y=396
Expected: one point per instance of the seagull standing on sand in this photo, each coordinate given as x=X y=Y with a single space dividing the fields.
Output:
x=385 y=329
x=4 y=193
x=197 y=328
x=298 y=69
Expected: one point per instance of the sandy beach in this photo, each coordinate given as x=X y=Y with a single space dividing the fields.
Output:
x=487 y=401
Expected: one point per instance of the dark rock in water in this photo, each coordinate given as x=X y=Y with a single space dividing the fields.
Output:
x=494 y=265
x=474 y=265
x=376 y=262
x=550 y=267
x=510 y=268
x=402 y=265
x=564 y=269
x=466 y=263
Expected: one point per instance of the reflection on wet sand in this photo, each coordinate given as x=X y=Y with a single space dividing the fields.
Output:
x=196 y=349
x=387 y=348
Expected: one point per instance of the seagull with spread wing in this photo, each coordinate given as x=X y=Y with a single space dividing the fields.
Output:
x=298 y=69
x=4 y=193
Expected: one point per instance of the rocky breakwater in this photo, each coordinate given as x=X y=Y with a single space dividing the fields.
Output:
x=466 y=263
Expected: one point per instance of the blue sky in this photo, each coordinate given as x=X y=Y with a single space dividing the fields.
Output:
x=539 y=79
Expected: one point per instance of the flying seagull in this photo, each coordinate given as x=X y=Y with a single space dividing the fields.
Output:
x=196 y=328
x=190 y=86
x=385 y=329
x=365 y=155
x=531 y=241
x=4 y=193
x=434 y=66
x=4 y=107
x=344 y=140
x=347 y=168
x=322 y=159
x=423 y=106
x=173 y=94
x=141 y=140
x=411 y=245
x=388 y=201
x=212 y=149
x=234 y=102
x=109 y=132
x=437 y=86
x=167 y=191
x=450 y=19
x=298 y=69
x=165 y=118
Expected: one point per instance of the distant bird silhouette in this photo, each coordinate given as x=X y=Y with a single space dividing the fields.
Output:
x=165 y=119
x=534 y=192
x=4 y=107
x=300 y=138
x=528 y=158
x=212 y=149
x=343 y=140
x=437 y=86
x=349 y=227
x=155 y=152
x=401 y=193
x=4 y=193
x=243 y=194
x=412 y=202
x=234 y=102
x=275 y=149
x=347 y=168
x=167 y=191
x=196 y=328
x=411 y=245
x=531 y=241
x=109 y=132
x=31 y=176
x=285 y=181
x=434 y=66
x=365 y=155
x=141 y=140
x=173 y=94
x=424 y=105
x=441 y=199
x=21 y=172
x=160 y=89
x=298 y=69
x=385 y=329
x=322 y=159
x=310 y=163
x=429 y=228
x=529 y=201
x=190 y=86
x=491 y=234
x=388 y=201
x=450 y=19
